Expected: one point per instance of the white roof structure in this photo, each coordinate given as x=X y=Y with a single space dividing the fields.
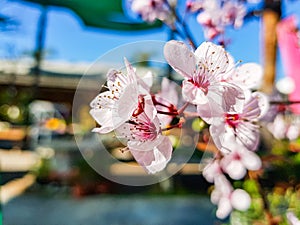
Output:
x=60 y=74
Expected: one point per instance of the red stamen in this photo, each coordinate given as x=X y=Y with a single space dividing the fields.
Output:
x=168 y=113
x=140 y=107
x=232 y=120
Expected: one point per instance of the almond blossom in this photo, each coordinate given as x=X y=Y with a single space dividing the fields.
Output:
x=150 y=10
x=212 y=170
x=215 y=15
x=238 y=161
x=144 y=138
x=202 y=71
x=227 y=199
x=235 y=164
x=107 y=107
x=240 y=128
x=210 y=18
x=282 y=127
x=233 y=13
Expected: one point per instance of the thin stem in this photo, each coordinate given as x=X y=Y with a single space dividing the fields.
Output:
x=284 y=102
x=181 y=110
x=185 y=28
x=268 y=213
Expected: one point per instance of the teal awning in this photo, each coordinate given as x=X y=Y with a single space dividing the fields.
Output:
x=107 y=14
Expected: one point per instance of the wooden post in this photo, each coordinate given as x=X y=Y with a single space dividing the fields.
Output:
x=270 y=18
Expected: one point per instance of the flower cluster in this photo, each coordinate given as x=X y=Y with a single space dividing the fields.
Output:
x=223 y=97
x=285 y=127
x=222 y=94
x=214 y=15
x=128 y=108
x=151 y=10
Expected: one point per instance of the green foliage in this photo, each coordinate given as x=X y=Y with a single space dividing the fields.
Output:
x=14 y=105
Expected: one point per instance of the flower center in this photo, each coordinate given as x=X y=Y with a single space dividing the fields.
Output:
x=232 y=119
x=201 y=84
x=143 y=130
x=236 y=156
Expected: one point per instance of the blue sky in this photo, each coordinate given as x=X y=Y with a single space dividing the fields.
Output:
x=68 y=39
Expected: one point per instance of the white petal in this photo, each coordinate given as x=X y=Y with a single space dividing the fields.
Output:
x=180 y=58
x=209 y=111
x=193 y=94
x=216 y=131
x=162 y=155
x=223 y=136
x=212 y=170
x=223 y=185
x=240 y=200
x=112 y=75
x=130 y=72
x=293 y=132
x=215 y=196
x=156 y=158
x=224 y=208
x=127 y=103
x=278 y=127
x=248 y=135
x=227 y=97
x=249 y=75
x=236 y=170
x=250 y=160
x=251 y=109
x=145 y=83
x=263 y=103
x=104 y=119
x=214 y=57
x=233 y=98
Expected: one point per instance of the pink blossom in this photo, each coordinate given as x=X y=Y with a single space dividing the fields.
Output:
x=150 y=10
x=238 y=161
x=212 y=170
x=144 y=138
x=107 y=107
x=211 y=19
x=227 y=198
x=283 y=127
x=241 y=127
x=215 y=16
x=202 y=71
x=233 y=13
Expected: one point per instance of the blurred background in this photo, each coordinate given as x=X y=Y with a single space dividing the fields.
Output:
x=50 y=49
